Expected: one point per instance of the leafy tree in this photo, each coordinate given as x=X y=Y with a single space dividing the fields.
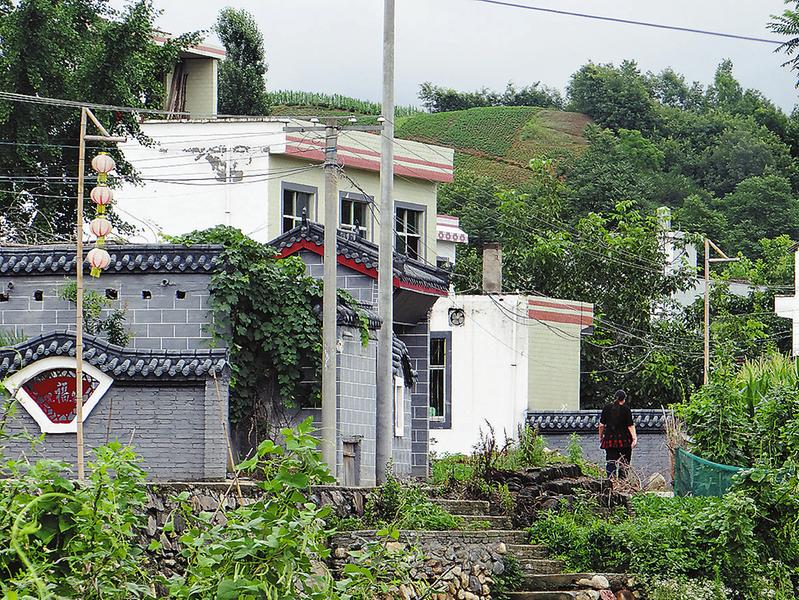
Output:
x=615 y=97
x=242 y=87
x=670 y=89
x=75 y=50
x=440 y=99
x=760 y=207
x=787 y=24
x=614 y=167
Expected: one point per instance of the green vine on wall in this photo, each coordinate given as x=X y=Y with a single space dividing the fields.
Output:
x=264 y=313
x=112 y=324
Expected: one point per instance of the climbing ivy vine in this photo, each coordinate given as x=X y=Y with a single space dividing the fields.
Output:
x=264 y=313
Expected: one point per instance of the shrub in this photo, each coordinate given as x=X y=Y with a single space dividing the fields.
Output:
x=706 y=538
x=271 y=548
x=62 y=540
x=406 y=507
x=685 y=589
x=510 y=580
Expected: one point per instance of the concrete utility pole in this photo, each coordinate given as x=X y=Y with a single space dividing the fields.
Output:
x=724 y=258
x=105 y=137
x=385 y=269
x=331 y=129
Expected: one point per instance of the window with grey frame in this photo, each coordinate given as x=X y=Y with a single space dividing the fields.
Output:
x=297 y=201
x=409 y=232
x=355 y=214
x=440 y=374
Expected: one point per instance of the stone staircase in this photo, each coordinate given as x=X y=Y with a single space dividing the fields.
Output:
x=544 y=578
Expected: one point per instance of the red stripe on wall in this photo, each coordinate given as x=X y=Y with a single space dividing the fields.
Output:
x=368 y=152
x=371 y=165
x=562 y=305
x=585 y=320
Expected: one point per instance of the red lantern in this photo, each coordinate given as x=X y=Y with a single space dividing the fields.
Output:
x=98 y=259
x=103 y=163
x=102 y=195
x=100 y=227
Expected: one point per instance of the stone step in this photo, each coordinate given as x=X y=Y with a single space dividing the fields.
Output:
x=350 y=539
x=540 y=566
x=566 y=581
x=554 y=595
x=463 y=507
x=495 y=522
x=523 y=551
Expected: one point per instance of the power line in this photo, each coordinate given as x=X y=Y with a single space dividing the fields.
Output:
x=734 y=36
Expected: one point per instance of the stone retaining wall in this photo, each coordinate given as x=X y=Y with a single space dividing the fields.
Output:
x=456 y=564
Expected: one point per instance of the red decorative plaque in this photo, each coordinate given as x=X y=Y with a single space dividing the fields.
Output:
x=54 y=392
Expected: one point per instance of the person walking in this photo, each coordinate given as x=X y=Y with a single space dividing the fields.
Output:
x=617 y=435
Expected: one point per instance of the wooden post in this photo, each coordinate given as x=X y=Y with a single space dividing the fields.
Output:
x=85 y=114
x=79 y=295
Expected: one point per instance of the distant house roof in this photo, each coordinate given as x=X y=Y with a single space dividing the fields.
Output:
x=362 y=256
x=144 y=258
x=448 y=229
x=201 y=50
x=118 y=362
x=361 y=150
x=646 y=420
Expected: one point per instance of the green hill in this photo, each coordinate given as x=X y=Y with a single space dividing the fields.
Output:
x=496 y=141
x=499 y=141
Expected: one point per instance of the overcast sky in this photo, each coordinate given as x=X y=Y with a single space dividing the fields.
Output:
x=334 y=46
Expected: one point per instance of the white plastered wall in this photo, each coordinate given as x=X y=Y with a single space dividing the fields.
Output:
x=489 y=369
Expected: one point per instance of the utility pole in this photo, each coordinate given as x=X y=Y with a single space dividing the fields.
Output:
x=724 y=258
x=385 y=269
x=331 y=129
x=83 y=138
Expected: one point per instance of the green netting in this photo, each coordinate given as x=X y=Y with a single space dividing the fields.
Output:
x=694 y=476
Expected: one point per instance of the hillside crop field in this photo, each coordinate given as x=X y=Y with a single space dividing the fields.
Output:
x=499 y=141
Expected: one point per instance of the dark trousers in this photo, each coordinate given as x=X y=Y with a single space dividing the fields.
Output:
x=618 y=461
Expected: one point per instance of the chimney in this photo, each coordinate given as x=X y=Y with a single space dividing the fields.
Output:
x=492 y=268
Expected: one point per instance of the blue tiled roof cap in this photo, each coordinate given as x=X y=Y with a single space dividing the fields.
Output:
x=127 y=258
x=364 y=252
x=652 y=420
x=118 y=362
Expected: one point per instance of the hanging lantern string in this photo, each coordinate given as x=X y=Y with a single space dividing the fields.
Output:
x=102 y=196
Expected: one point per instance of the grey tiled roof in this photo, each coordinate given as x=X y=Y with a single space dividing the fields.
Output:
x=141 y=258
x=402 y=361
x=347 y=316
x=118 y=362
x=588 y=420
x=365 y=253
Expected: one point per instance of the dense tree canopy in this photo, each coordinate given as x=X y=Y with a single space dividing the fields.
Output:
x=242 y=87
x=74 y=50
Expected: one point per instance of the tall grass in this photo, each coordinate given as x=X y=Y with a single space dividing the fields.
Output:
x=757 y=377
x=335 y=101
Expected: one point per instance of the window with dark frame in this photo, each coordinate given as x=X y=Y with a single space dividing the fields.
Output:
x=409 y=232
x=354 y=213
x=438 y=378
x=294 y=203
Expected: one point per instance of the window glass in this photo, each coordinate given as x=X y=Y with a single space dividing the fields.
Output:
x=294 y=204
x=438 y=361
x=354 y=215
x=409 y=232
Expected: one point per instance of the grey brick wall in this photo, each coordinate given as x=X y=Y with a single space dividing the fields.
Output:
x=362 y=287
x=177 y=430
x=357 y=393
x=650 y=456
x=417 y=339
x=162 y=322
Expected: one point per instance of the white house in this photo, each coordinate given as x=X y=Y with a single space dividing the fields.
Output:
x=496 y=357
